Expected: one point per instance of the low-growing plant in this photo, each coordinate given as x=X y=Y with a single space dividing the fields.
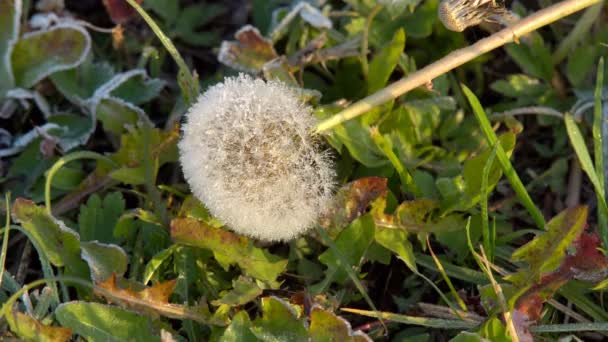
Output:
x=338 y=178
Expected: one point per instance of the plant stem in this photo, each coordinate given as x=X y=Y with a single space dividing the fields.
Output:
x=457 y=58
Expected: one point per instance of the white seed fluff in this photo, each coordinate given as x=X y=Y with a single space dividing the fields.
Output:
x=248 y=155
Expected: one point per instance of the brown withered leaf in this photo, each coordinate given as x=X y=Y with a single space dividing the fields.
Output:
x=352 y=200
x=249 y=52
x=29 y=329
x=119 y=10
x=152 y=301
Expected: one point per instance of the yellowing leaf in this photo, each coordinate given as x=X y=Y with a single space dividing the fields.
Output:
x=30 y=329
x=546 y=252
x=325 y=326
x=229 y=248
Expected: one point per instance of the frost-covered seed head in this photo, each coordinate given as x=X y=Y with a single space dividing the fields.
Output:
x=248 y=154
x=457 y=15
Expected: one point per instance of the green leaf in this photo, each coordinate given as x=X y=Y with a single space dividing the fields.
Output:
x=157 y=260
x=138 y=89
x=115 y=114
x=239 y=329
x=79 y=84
x=518 y=85
x=383 y=64
x=545 y=252
x=534 y=58
x=420 y=23
x=167 y=10
x=39 y=54
x=104 y=260
x=75 y=130
x=279 y=322
x=356 y=137
x=397 y=241
x=10 y=13
x=100 y=322
x=244 y=290
x=325 y=326
x=229 y=248
x=503 y=159
x=98 y=218
x=466 y=336
x=59 y=243
x=161 y=144
x=580 y=63
x=353 y=241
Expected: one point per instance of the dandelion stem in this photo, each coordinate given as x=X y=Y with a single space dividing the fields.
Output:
x=457 y=58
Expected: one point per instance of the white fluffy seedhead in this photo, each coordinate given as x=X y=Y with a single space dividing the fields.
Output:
x=457 y=15
x=248 y=154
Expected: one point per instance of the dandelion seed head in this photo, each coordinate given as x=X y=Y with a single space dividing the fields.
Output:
x=248 y=155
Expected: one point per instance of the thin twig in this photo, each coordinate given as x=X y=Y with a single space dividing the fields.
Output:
x=457 y=58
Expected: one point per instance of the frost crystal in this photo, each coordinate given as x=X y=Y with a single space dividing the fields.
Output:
x=248 y=154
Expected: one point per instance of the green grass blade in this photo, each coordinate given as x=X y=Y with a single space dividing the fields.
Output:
x=503 y=159
x=598 y=149
x=59 y=164
x=187 y=82
x=415 y=320
x=348 y=268
x=572 y=327
x=488 y=243
x=578 y=143
x=7 y=228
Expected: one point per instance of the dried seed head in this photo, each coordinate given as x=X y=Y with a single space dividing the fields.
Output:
x=457 y=15
x=248 y=154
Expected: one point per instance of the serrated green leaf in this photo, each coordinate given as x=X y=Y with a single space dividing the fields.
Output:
x=229 y=247
x=104 y=259
x=100 y=322
x=39 y=54
x=97 y=219
x=243 y=291
x=279 y=322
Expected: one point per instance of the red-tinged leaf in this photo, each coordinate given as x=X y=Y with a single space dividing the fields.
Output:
x=585 y=263
x=119 y=10
x=249 y=52
x=229 y=248
x=326 y=326
x=352 y=200
x=29 y=329
x=546 y=252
